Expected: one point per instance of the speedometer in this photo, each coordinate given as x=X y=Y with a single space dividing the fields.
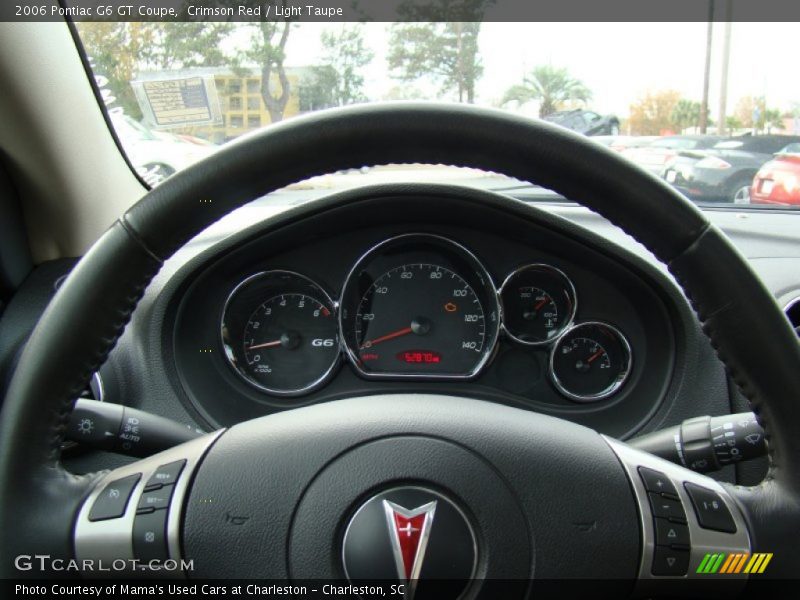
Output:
x=419 y=306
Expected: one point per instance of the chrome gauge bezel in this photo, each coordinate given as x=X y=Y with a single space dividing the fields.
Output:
x=492 y=330
x=614 y=387
x=567 y=323
x=230 y=354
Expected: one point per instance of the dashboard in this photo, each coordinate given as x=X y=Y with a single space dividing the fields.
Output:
x=183 y=356
x=425 y=289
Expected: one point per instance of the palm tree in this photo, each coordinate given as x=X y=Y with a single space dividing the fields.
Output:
x=552 y=86
x=686 y=113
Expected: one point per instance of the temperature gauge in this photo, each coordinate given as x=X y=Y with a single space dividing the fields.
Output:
x=590 y=362
x=538 y=304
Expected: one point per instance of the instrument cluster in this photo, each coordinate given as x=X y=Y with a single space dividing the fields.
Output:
x=416 y=306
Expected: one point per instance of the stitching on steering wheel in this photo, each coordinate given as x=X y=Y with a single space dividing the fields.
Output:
x=752 y=397
x=106 y=343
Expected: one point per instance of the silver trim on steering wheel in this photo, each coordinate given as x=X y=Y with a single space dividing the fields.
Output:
x=703 y=541
x=109 y=543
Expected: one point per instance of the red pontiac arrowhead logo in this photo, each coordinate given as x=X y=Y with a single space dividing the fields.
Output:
x=409 y=531
x=389 y=538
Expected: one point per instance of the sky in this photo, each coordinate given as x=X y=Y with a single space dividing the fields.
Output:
x=617 y=61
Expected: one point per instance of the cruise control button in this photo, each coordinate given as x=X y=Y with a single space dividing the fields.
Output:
x=158 y=498
x=670 y=561
x=666 y=507
x=671 y=534
x=656 y=481
x=111 y=502
x=166 y=474
x=711 y=510
x=150 y=536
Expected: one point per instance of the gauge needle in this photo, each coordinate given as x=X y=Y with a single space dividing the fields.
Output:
x=597 y=354
x=542 y=302
x=265 y=345
x=388 y=336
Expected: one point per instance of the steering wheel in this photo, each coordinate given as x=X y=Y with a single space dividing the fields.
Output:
x=427 y=487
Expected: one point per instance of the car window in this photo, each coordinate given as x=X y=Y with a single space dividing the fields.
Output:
x=180 y=91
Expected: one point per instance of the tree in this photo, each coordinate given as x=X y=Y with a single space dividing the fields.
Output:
x=317 y=89
x=551 y=86
x=753 y=113
x=748 y=107
x=686 y=113
x=116 y=51
x=732 y=123
x=268 y=51
x=346 y=55
x=446 y=52
x=185 y=45
x=651 y=114
x=772 y=119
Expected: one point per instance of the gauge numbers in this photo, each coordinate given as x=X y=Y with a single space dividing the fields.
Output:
x=590 y=362
x=539 y=304
x=422 y=315
x=288 y=344
x=419 y=306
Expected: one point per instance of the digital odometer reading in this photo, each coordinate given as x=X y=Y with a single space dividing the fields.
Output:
x=416 y=305
x=424 y=357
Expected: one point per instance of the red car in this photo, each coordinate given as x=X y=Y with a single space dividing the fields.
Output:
x=778 y=181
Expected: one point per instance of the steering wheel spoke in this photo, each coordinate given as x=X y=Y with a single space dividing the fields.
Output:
x=690 y=525
x=130 y=524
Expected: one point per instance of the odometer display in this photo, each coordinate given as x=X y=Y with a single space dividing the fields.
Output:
x=419 y=306
x=425 y=357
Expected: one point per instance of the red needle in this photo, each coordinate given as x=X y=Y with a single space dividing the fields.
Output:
x=596 y=355
x=542 y=302
x=266 y=345
x=388 y=336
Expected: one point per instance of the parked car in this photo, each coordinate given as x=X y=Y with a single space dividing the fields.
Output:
x=778 y=181
x=157 y=154
x=660 y=151
x=620 y=143
x=585 y=122
x=725 y=172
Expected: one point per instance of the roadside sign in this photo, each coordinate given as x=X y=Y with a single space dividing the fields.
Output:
x=178 y=102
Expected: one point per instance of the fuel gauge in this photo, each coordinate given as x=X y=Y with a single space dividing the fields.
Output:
x=591 y=361
x=538 y=304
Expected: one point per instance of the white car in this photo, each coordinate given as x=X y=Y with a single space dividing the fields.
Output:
x=155 y=154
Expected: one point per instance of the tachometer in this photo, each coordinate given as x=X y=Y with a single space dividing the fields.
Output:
x=280 y=333
x=419 y=306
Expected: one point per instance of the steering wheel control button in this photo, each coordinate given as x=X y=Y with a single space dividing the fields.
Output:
x=711 y=510
x=150 y=536
x=165 y=474
x=157 y=498
x=113 y=500
x=671 y=534
x=656 y=481
x=667 y=507
x=670 y=561
x=410 y=534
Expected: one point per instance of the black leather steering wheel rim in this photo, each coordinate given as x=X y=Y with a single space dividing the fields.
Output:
x=39 y=499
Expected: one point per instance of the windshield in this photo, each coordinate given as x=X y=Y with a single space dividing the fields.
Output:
x=179 y=91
